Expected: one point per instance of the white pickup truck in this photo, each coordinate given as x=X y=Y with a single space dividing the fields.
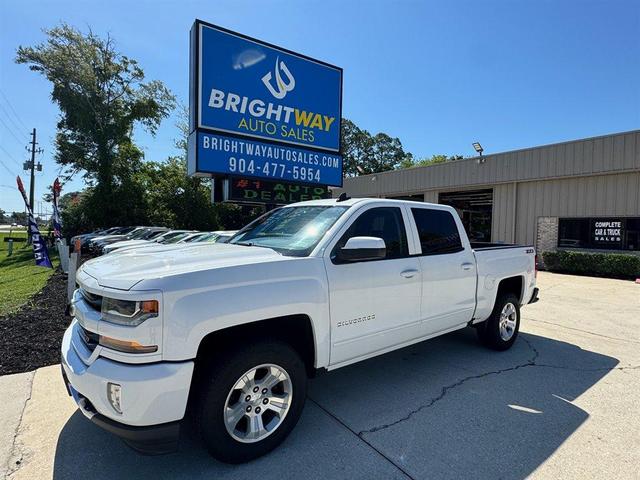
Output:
x=231 y=332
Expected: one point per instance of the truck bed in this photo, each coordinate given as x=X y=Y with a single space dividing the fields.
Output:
x=495 y=246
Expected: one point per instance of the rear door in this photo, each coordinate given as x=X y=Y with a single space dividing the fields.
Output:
x=448 y=269
x=374 y=305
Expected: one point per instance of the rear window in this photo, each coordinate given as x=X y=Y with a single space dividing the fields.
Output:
x=437 y=230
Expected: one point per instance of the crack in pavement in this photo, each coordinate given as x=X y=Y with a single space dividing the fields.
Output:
x=14 y=462
x=404 y=472
x=446 y=389
x=529 y=319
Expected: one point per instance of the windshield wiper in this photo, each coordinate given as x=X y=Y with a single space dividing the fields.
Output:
x=251 y=244
x=244 y=244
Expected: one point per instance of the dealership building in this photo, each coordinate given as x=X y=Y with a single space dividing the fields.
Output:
x=582 y=194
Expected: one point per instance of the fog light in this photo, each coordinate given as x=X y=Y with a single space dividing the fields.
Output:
x=114 y=394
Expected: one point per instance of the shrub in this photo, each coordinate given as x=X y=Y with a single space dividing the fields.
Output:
x=616 y=265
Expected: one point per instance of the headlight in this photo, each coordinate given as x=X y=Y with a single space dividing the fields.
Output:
x=127 y=312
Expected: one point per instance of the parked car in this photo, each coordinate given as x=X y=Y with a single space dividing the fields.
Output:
x=219 y=236
x=161 y=237
x=173 y=239
x=85 y=237
x=237 y=328
x=147 y=234
x=96 y=244
x=120 y=232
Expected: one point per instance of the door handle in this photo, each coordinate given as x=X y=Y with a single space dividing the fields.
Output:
x=408 y=273
x=467 y=266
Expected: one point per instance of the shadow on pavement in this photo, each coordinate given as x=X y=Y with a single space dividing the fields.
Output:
x=446 y=408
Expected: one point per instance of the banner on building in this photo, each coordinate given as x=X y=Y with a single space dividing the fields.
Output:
x=40 y=251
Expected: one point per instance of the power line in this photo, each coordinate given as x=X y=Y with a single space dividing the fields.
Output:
x=8 y=169
x=10 y=157
x=14 y=124
x=11 y=132
x=24 y=125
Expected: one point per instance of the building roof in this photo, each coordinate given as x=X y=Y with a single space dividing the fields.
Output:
x=615 y=153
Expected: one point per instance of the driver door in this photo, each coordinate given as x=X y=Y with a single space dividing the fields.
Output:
x=375 y=304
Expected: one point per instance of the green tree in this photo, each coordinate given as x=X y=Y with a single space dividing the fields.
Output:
x=433 y=160
x=364 y=153
x=19 y=217
x=102 y=96
x=180 y=201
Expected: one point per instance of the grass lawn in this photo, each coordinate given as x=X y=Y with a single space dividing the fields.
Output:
x=20 y=278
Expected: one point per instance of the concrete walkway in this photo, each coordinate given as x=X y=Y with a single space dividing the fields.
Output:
x=562 y=403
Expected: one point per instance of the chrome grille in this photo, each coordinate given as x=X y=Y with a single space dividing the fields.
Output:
x=90 y=339
x=95 y=301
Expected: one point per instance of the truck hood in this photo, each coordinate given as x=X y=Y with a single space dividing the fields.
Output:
x=124 y=270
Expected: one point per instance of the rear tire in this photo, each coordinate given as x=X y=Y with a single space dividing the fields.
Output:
x=251 y=400
x=500 y=330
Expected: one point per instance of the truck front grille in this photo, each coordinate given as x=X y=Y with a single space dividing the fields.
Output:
x=90 y=339
x=95 y=301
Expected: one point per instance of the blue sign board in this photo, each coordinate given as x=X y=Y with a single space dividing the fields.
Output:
x=259 y=95
x=224 y=155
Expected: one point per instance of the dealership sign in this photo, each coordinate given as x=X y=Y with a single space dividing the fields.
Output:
x=251 y=190
x=607 y=231
x=261 y=111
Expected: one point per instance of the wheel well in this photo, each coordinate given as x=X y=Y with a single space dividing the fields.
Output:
x=511 y=285
x=296 y=330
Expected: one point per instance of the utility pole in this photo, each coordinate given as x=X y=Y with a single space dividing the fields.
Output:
x=32 y=165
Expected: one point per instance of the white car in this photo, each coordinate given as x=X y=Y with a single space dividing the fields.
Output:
x=162 y=237
x=219 y=236
x=239 y=327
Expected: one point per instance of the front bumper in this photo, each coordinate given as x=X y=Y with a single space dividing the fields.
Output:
x=148 y=440
x=154 y=396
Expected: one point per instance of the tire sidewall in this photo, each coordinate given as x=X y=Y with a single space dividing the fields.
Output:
x=223 y=375
x=490 y=333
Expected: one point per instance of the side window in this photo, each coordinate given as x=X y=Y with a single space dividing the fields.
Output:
x=437 y=230
x=385 y=223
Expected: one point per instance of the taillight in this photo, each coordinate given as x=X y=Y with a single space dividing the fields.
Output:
x=535 y=266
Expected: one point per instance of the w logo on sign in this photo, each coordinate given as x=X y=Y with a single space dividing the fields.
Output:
x=282 y=88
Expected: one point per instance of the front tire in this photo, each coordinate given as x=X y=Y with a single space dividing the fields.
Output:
x=500 y=330
x=251 y=400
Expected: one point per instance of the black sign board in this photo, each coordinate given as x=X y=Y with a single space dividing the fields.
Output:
x=257 y=191
x=607 y=232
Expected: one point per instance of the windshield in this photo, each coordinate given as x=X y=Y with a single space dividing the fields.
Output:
x=166 y=236
x=293 y=231
x=193 y=237
x=151 y=235
x=177 y=238
x=208 y=237
x=138 y=234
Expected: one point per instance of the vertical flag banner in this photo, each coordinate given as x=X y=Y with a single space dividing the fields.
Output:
x=40 y=251
x=57 y=223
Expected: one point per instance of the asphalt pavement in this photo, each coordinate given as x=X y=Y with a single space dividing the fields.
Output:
x=562 y=403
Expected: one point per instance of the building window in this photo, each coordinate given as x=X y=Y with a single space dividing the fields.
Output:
x=606 y=233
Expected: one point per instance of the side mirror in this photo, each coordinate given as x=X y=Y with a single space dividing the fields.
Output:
x=361 y=249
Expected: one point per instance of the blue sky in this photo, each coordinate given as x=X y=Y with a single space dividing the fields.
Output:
x=438 y=75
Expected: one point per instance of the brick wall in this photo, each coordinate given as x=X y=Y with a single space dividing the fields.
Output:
x=546 y=236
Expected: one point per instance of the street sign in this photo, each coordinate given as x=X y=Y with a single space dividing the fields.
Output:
x=256 y=191
x=259 y=105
